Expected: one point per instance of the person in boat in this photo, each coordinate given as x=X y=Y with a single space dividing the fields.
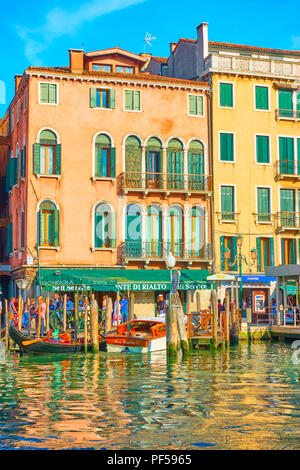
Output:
x=13 y=310
x=124 y=309
x=161 y=305
x=43 y=314
x=115 y=314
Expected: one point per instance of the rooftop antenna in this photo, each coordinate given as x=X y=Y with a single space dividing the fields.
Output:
x=148 y=39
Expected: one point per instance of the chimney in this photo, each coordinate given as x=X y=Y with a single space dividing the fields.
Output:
x=76 y=60
x=147 y=56
x=172 y=46
x=202 y=46
x=17 y=82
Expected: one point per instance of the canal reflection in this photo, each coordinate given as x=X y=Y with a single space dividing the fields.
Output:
x=243 y=398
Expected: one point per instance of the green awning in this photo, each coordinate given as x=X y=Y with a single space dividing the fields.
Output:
x=73 y=279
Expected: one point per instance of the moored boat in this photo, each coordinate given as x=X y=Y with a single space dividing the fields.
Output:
x=138 y=336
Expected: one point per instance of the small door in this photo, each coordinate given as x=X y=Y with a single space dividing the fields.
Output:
x=153 y=169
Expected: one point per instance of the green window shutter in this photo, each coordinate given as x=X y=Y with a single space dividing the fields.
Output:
x=287 y=200
x=98 y=161
x=52 y=93
x=272 y=259
x=262 y=149
x=112 y=98
x=222 y=253
x=282 y=252
x=113 y=230
x=22 y=162
x=261 y=97
x=234 y=252
x=128 y=99
x=285 y=101
x=227 y=199
x=226 y=147
x=192 y=104
x=14 y=170
x=56 y=227
x=42 y=228
x=263 y=200
x=58 y=159
x=44 y=92
x=137 y=100
x=226 y=95
x=9 y=238
x=200 y=105
x=98 y=239
x=113 y=162
x=93 y=97
x=36 y=158
x=258 y=247
x=286 y=155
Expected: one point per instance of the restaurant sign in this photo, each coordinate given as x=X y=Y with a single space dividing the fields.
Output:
x=70 y=288
x=151 y=286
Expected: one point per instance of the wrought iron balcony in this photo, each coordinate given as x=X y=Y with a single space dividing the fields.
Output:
x=287 y=169
x=164 y=182
x=263 y=218
x=289 y=114
x=228 y=217
x=288 y=221
x=159 y=250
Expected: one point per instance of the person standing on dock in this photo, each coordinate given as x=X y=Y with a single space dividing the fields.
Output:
x=43 y=314
x=124 y=309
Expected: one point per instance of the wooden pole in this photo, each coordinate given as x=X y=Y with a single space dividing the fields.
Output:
x=118 y=309
x=47 y=313
x=38 y=333
x=85 y=324
x=184 y=344
x=215 y=318
x=227 y=313
x=20 y=311
x=172 y=327
x=108 y=314
x=131 y=306
x=6 y=325
x=94 y=323
x=233 y=317
x=65 y=313
x=198 y=300
x=76 y=315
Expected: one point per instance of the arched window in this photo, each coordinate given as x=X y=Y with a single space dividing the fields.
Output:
x=105 y=157
x=196 y=231
x=48 y=224
x=154 y=163
x=196 y=165
x=154 y=231
x=47 y=154
x=105 y=226
x=175 y=165
x=133 y=244
x=175 y=231
x=133 y=162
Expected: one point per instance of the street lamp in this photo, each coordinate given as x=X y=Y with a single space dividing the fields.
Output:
x=240 y=258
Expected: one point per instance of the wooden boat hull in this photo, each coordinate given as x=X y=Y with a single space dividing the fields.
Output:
x=42 y=347
x=134 y=344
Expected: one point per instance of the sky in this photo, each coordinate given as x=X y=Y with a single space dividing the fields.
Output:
x=41 y=33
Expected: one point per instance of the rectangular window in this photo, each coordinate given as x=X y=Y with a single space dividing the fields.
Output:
x=47 y=159
x=228 y=248
x=124 y=69
x=288 y=251
x=286 y=155
x=195 y=105
x=226 y=95
x=48 y=93
x=262 y=98
x=101 y=67
x=132 y=100
x=226 y=147
x=285 y=102
x=265 y=253
x=262 y=149
x=287 y=208
x=227 y=203
x=263 y=205
x=102 y=98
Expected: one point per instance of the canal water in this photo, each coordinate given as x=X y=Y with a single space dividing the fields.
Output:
x=244 y=398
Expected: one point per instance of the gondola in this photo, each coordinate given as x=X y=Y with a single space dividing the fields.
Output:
x=41 y=346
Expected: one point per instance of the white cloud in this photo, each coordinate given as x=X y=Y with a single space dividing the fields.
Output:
x=60 y=22
x=296 y=42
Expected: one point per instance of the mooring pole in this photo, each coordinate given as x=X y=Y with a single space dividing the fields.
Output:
x=171 y=327
x=20 y=309
x=76 y=315
x=108 y=314
x=215 y=318
x=47 y=313
x=94 y=324
x=227 y=313
x=65 y=313
x=6 y=325
x=85 y=324
x=38 y=333
x=181 y=326
x=131 y=306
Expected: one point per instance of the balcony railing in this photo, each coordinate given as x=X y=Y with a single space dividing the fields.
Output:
x=228 y=216
x=287 y=220
x=287 y=169
x=251 y=65
x=289 y=114
x=143 y=250
x=263 y=218
x=164 y=182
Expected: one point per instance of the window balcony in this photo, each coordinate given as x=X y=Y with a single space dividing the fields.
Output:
x=165 y=183
x=228 y=217
x=287 y=169
x=288 y=114
x=158 y=251
x=264 y=218
x=288 y=221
